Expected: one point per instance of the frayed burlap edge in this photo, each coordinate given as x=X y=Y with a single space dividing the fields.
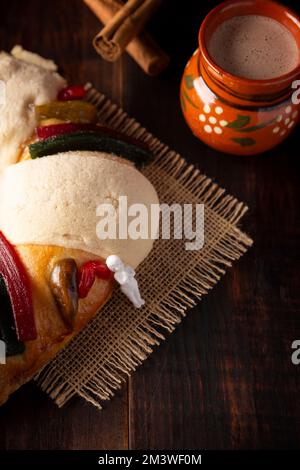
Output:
x=104 y=378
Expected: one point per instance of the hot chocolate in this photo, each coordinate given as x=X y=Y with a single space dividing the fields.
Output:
x=254 y=47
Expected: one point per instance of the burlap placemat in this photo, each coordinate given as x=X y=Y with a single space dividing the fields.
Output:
x=171 y=279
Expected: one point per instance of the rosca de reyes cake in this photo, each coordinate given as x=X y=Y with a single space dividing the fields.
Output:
x=57 y=167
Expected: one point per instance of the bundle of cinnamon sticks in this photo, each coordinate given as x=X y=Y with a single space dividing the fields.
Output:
x=124 y=23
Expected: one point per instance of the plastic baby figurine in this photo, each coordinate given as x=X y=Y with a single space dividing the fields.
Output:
x=124 y=275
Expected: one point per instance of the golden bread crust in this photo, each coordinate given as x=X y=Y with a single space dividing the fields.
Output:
x=52 y=332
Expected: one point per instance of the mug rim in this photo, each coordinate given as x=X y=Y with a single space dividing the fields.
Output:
x=289 y=76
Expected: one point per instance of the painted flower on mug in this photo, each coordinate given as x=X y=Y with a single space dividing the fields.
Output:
x=285 y=121
x=212 y=119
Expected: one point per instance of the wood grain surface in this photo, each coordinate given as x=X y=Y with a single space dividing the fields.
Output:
x=224 y=379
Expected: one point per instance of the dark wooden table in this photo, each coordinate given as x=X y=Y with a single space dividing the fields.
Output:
x=224 y=379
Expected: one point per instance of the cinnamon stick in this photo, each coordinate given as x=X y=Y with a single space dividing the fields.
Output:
x=127 y=23
x=142 y=48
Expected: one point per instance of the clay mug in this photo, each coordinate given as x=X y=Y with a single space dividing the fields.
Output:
x=233 y=114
